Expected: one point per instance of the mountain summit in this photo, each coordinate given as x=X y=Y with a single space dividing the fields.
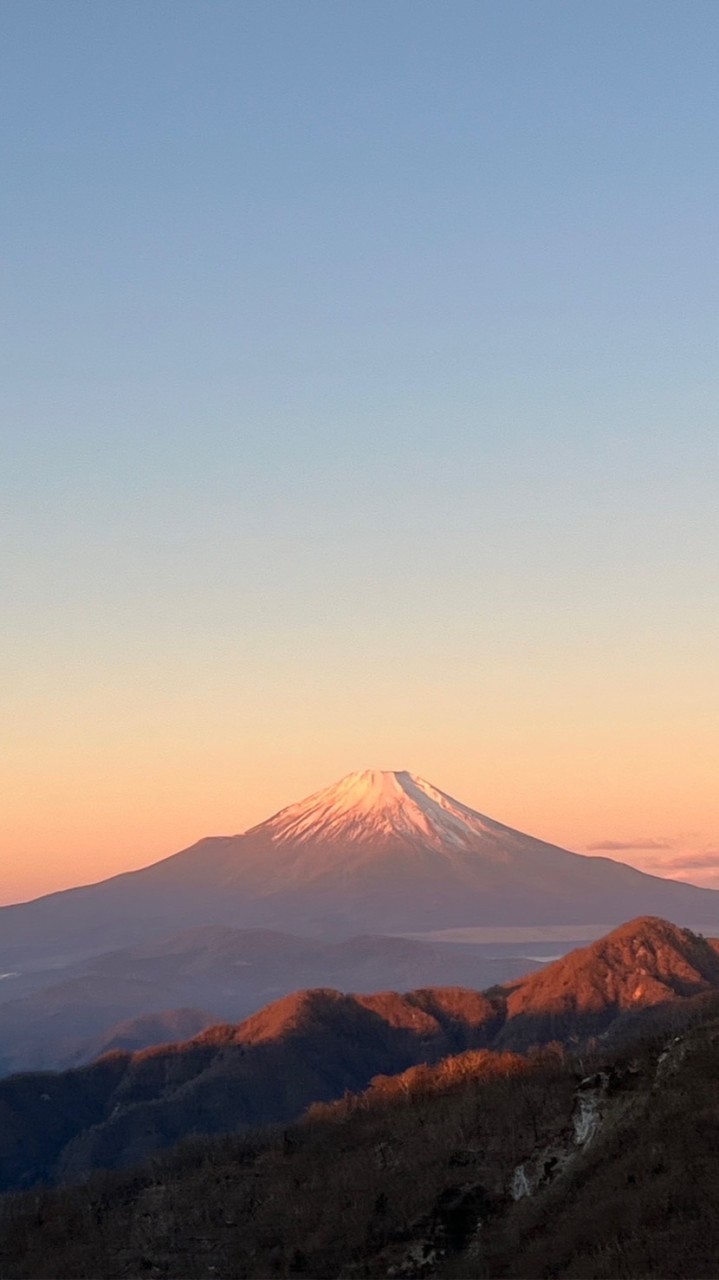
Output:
x=642 y=964
x=385 y=835
x=378 y=852
x=376 y=806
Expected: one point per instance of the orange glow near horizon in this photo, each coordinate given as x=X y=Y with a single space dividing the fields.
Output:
x=76 y=819
x=115 y=760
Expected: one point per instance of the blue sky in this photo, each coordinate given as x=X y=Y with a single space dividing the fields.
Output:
x=359 y=399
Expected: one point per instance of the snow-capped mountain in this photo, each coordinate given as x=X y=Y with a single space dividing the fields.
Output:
x=374 y=807
x=377 y=852
x=376 y=821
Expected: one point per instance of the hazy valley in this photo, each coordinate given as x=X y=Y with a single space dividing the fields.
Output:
x=135 y=997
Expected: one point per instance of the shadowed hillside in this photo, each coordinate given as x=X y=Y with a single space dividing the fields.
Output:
x=64 y=1019
x=306 y=1047
x=599 y=1167
x=315 y=1045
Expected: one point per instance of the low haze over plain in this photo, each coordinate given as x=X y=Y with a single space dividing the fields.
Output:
x=360 y=409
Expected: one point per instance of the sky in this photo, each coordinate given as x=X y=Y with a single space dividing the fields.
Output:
x=358 y=409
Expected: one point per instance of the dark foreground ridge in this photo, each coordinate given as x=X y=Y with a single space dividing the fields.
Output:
x=597 y=1165
x=314 y=1046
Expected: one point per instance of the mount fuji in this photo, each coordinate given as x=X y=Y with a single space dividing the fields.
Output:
x=378 y=852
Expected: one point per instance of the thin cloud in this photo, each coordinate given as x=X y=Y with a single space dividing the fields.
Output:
x=691 y=861
x=620 y=846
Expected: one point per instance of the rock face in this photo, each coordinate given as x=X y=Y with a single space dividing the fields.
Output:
x=545 y=1164
x=377 y=852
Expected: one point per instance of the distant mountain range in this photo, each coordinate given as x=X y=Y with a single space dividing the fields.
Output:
x=379 y=852
x=315 y=1045
x=172 y=988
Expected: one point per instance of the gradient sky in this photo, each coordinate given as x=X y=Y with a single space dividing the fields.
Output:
x=359 y=408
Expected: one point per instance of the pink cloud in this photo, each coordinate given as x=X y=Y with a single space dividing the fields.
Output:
x=697 y=863
x=619 y=846
x=691 y=861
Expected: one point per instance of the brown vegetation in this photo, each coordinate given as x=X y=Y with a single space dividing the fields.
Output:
x=413 y=1179
x=413 y=1176
x=351 y=1185
x=316 y=1045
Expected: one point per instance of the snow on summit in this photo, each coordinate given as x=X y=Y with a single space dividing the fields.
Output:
x=379 y=852
x=374 y=805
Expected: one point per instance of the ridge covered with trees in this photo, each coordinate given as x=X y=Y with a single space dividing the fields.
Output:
x=315 y=1046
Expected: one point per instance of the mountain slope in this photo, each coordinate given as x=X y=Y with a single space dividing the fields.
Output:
x=644 y=963
x=395 y=850
x=484 y=1165
x=377 y=852
x=314 y=1045
x=310 y=1046
x=228 y=972
x=149 y=1031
